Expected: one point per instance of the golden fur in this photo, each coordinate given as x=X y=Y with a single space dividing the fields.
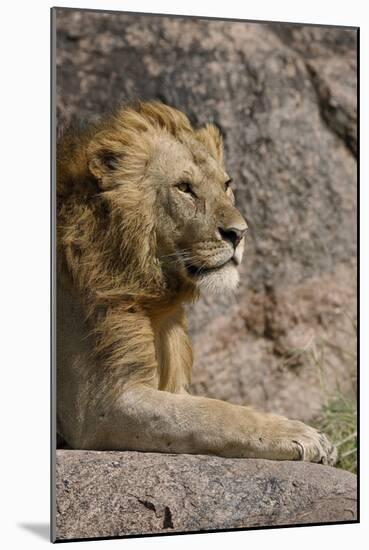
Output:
x=146 y=220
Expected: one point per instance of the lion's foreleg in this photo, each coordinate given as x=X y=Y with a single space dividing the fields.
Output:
x=126 y=410
x=151 y=420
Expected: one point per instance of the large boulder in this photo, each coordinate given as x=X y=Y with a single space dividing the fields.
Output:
x=285 y=100
x=102 y=494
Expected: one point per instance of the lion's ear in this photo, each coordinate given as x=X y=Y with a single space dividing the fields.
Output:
x=210 y=136
x=103 y=157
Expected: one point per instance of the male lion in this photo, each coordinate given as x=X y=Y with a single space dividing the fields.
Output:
x=146 y=219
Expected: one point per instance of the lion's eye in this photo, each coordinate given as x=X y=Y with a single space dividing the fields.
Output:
x=185 y=188
x=227 y=184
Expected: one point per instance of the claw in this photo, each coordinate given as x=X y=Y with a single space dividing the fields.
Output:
x=301 y=449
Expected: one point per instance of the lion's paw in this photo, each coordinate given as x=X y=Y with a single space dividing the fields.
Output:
x=311 y=445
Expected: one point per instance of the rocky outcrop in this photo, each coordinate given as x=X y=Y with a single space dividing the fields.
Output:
x=329 y=56
x=285 y=100
x=102 y=494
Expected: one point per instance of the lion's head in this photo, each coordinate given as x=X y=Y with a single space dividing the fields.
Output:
x=171 y=195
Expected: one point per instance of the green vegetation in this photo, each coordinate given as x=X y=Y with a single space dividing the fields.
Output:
x=338 y=420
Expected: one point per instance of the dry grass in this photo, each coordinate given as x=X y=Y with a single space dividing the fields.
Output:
x=338 y=417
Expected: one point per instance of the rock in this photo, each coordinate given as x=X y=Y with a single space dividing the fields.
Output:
x=331 y=60
x=285 y=99
x=102 y=494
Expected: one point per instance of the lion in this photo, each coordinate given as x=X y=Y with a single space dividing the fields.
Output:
x=146 y=221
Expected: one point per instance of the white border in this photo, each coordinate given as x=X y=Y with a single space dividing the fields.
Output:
x=24 y=359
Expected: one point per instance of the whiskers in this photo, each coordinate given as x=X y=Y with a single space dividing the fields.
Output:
x=179 y=257
x=187 y=258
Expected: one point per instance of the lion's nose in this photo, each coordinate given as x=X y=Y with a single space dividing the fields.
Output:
x=232 y=234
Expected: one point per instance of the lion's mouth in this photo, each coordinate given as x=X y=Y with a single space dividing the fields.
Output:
x=197 y=271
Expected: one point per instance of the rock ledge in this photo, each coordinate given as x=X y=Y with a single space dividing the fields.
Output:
x=102 y=494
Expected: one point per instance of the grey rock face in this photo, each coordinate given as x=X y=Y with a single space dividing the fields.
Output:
x=285 y=100
x=102 y=494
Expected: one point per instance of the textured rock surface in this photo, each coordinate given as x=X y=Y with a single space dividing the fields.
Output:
x=113 y=493
x=285 y=100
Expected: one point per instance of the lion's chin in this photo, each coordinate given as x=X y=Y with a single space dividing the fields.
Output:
x=224 y=279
